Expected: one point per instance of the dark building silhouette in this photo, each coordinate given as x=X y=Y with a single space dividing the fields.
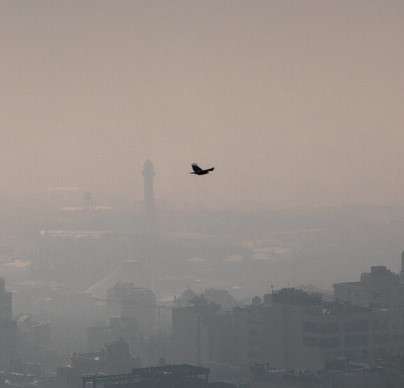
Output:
x=402 y=268
x=6 y=302
x=8 y=327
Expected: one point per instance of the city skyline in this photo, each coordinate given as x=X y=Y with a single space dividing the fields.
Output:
x=201 y=194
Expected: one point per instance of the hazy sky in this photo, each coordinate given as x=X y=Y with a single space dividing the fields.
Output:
x=298 y=101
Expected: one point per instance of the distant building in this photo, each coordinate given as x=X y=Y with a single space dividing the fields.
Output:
x=8 y=327
x=288 y=329
x=270 y=331
x=192 y=328
x=114 y=358
x=274 y=331
x=133 y=315
x=34 y=339
x=134 y=303
x=378 y=288
x=402 y=268
x=214 y=295
x=6 y=302
x=307 y=332
x=339 y=330
x=382 y=292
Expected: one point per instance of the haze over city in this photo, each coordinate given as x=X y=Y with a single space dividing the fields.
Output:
x=295 y=102
x=201 y=194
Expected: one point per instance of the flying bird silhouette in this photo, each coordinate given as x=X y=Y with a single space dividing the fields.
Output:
x=199 y=171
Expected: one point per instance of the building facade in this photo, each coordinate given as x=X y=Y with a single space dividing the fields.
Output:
x=8 y=327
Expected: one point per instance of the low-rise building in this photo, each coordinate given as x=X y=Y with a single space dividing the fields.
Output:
x=379 y=288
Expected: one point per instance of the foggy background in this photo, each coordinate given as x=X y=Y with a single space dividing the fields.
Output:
x=295 y=102
x=286 y=256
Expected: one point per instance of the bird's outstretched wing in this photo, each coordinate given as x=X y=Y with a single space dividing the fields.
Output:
x=196 y=168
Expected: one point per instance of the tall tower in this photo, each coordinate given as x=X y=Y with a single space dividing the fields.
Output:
x=148 y=198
